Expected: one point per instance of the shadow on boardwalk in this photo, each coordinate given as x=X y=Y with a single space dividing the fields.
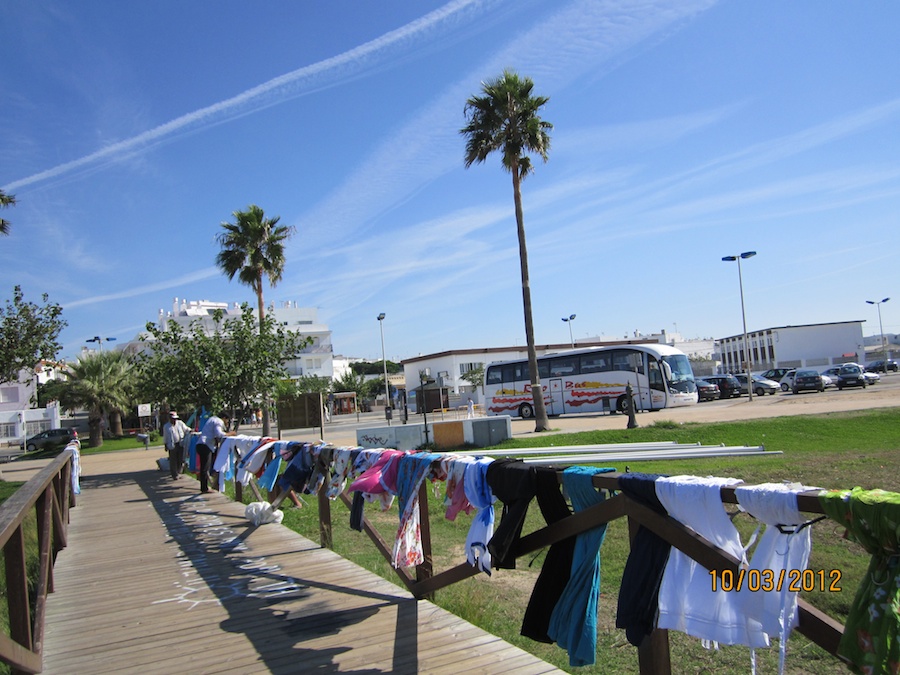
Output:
x=160 y=579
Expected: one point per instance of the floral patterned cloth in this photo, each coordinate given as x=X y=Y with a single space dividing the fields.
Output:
x=414 y=469
x=872 y=518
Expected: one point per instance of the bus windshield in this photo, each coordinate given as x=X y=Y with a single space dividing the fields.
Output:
x=682 y=376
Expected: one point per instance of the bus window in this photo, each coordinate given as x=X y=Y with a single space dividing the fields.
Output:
x=521 y=372
x=593 y=363
x=655 y=377
x=494 y=375
x=627 y=360
x=563 y=366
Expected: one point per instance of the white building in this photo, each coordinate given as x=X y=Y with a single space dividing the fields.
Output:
x=815 y=345
x=18 y=418
x=314 y=359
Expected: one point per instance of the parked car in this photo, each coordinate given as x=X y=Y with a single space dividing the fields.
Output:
x=834 y=371
x=807 y=380
x=775 y=374
x=787 y=380
x=851 y=375
x=882 y=366
x=728 y=385
x=761 y=386
x=706 y=391
x=52 y=438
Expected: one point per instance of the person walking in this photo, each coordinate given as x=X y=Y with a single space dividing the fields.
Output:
x=211 y=436
x=470 y=412
x=174 y=432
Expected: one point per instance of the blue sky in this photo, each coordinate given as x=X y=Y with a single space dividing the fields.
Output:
x=684 y=131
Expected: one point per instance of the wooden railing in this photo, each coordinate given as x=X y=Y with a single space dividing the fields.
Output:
x=653 y=654
x=49 y=495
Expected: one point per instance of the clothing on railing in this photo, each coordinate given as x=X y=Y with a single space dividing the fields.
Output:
x=75 y=446
x=512 y=482
x=785 y=545
x=455 y=494
x=573 y=623
x=479 y=494
x=342 y=465
x=557 y=567
x=413 y=470
x=872 y=517
x=687 y=602
x=563 y=603
x=380 y=479
x=638 y=602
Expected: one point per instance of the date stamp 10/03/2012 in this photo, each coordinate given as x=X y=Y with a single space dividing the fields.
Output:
x=767 y=580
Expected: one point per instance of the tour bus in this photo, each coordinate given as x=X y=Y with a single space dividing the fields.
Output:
x=593 y=380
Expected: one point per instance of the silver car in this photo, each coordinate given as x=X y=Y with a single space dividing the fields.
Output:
x=761 y=385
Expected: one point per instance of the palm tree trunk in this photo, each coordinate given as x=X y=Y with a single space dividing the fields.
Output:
x=541 y=421
x=115 y=423
x=266 y=424
x=95 y=432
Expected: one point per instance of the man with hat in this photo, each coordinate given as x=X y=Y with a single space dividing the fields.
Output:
x=174 y=432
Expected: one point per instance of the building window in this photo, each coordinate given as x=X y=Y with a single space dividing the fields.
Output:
x=466 y=367
x=9 y=394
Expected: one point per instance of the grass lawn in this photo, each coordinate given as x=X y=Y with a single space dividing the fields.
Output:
x=835 y=450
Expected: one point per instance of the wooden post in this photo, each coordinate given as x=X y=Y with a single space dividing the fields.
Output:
x=426 y=569
x=654 y=657
x=326 y=538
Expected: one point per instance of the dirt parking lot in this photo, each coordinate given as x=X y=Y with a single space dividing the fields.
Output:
x=885 y=394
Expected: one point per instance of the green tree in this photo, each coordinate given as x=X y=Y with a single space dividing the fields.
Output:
x=313 y=384
x=5 y=201
x=102 y=384
x=505 y=118
x=475 y=376
x=230 y=367
x=375 y=368
x=49 y=391
x=253 y=248
x=354 y=382
x=29 y=333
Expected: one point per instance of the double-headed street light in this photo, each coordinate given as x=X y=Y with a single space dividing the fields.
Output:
x=99 y=340
x=569 y=319
x=881 y=329
x=387 y=388
x=732 y=258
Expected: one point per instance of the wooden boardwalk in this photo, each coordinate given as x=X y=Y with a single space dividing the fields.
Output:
x=160 y=579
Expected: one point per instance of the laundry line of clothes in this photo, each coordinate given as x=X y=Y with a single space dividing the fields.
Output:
x=661 y=586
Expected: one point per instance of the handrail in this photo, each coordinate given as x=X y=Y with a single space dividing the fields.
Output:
x=49 y=493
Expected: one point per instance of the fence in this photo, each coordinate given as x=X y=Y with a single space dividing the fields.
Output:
x=653 y=654
x=48 y=496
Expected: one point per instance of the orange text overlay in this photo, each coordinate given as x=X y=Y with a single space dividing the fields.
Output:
x=792 y=581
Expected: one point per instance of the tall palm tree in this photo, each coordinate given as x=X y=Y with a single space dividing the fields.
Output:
x=5 y=200
x=101 y=384
x=253 y=248
x=505 y=118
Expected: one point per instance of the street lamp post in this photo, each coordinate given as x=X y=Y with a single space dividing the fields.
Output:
x=99 y=340
x=569 y=319
x=881 y=329
x=732 y=258
x=387 y=388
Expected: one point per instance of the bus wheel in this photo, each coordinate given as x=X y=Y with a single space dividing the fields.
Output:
x=622 y=404
x=526 y=411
